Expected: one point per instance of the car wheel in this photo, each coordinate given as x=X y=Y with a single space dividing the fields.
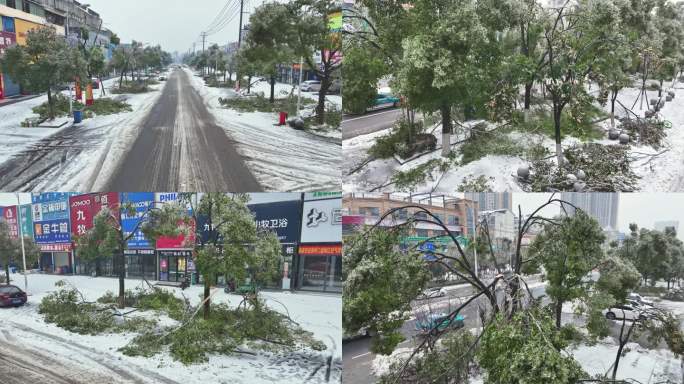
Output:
x=610 y=316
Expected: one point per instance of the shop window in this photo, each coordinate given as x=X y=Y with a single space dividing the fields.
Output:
x=421 y=232
x=421 y=215
x=369 y=211
x=453 y=220
x=11 y=4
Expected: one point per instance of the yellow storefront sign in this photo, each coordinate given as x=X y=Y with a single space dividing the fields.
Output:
x=22 y=27
x=335 y=21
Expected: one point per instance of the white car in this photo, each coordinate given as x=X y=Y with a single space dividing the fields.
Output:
x=432 y=293
x=311 y=86
x=639 y=299
x=625 y=311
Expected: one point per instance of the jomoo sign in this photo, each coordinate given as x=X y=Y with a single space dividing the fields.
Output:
x=84 y=208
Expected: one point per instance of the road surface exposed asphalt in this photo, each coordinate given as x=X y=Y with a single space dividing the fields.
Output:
x=180 y=148
x=353 y=126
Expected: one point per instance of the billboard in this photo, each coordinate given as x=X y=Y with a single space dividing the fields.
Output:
x=81 y=213
x=7 y=39
x=22 y=27
x=142 y=202
x=178 y=242
x=322 y=221
x=9 y=215
x=52 y=231
x=26 y=221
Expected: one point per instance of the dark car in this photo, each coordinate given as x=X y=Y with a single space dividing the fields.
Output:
x=11 y=295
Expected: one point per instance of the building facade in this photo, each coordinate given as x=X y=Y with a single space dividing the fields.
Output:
x=602 y=206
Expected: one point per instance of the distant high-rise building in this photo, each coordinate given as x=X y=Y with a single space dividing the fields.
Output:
x=599 y=205
x=490 y=201
x=663 y=225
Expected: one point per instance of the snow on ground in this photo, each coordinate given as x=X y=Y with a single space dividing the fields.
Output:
x=662 y=173
x=111 y=136
x=318 y=313
x=638 y=363
x=281 y=158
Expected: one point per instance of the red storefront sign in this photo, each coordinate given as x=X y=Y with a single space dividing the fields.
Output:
x=178 y=242
x=9 y=214
x=321 y=249
x=55 y=247
x=109 y=199
x=7 y=39
x=81 y=214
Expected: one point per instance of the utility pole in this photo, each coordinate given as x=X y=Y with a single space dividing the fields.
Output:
x=242 y=7
x=204 y=39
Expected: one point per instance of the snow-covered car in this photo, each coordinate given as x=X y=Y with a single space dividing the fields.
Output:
x=11 y=296
x=431 y=293
x=638 y=298
x=363 y=332
x=311 y=86
x=627 y=312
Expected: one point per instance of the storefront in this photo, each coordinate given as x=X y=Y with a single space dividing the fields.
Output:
x=141 y=264
x=82 y=211
x=175 y=265
x=7 y=39
x=284 y=219
x=51 y=231
x=320 y=267
x=319 y=262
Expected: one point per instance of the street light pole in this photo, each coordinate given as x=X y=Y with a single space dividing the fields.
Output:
x=299 y=93
x=21 y=236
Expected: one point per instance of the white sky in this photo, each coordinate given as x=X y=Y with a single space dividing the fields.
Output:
x=641 y=208
x=174 y=24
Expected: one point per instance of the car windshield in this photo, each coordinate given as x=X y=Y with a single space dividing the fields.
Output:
x=9 y=289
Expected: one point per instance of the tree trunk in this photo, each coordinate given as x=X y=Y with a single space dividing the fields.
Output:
x=7 y=272
x=660 y=89
x=122 y=276
x=249 y=83
x=51 y=111
x=557 y=126
x=614 y=95
x=559 y=313
x=98 y=267
x=446 y=129
x=320 y=108
x=207 y=293
x=272 y=97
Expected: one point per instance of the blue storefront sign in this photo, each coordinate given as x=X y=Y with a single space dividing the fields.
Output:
x=282 y=217
x=142 y=202
x=52 y=231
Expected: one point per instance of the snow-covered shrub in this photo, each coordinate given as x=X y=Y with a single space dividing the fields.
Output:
x=607 y=169
x=647 y=131
x=484 y=141
x=226 y=331
x=403 y=140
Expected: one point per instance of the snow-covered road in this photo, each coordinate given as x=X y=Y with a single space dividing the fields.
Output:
x=86 y=355
x=282 y=159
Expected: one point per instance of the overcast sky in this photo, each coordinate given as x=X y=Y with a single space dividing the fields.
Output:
x=174 y=24
x=641 y=208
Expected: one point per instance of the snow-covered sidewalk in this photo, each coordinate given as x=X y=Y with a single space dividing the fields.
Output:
x=318 y=313
x=281 y=158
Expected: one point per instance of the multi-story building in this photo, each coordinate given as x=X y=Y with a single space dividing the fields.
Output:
x=490 y=201
x=455 y=213
x=601 y=206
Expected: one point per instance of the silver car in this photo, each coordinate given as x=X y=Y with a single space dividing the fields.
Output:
x=311 y=86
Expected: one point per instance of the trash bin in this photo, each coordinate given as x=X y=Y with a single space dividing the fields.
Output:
x=78 y=117
x=283 y=118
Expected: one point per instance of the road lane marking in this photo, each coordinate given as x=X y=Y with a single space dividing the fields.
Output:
x=361 y=355
x=371 y=115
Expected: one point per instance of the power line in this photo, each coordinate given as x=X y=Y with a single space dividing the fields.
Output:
x=219 y=16
x=233 y=13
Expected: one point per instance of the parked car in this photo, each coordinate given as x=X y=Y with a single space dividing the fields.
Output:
x=383 y=100
x=638 y=298
x=311 y=86
x=625 y=311
x=11 y=295
x=431 y=293
x=162 y=78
